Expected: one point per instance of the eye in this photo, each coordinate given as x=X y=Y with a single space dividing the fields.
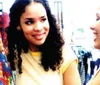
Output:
x=29 y=22
x=43 y=19
x=97 y=18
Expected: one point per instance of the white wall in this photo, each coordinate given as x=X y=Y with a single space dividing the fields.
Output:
x=7 y=4
x=78 y=14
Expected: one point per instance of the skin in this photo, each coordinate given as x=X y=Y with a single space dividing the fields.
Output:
x=71 y=75
x=96 y=79
x=35 y=26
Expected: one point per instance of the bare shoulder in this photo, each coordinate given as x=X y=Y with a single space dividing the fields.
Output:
x=71 y=74
x=96 y=79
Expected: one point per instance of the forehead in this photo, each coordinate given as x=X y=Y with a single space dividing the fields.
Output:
x=98 y=9
x=34 y=9
x=97 y=12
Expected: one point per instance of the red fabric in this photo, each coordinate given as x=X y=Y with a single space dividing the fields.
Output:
x=4 y=19
x=4 y=22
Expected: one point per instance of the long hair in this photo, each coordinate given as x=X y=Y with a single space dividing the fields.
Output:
x=51 y=49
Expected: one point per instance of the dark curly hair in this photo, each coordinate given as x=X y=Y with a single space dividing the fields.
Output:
x=52 y=48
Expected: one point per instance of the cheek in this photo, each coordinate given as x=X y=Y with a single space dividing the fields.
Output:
x=27 y=30
x=98 y=24
x=47 y=26
x=27 y=33
x=47 y=29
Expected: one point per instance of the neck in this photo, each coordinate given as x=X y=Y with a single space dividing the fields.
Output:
x=34 y=49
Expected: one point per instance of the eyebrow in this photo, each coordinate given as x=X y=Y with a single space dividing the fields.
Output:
x=33 y=18
x=43 y=16
x=29 y=19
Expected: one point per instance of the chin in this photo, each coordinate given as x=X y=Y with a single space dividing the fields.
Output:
x=97 y=46
x=40 y=43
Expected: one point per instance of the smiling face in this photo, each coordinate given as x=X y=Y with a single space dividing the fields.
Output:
x=34 y=24
x=96 y=30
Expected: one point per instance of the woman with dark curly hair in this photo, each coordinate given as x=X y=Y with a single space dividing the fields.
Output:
x=35 y=44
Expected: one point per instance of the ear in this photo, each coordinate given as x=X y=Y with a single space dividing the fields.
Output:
x=18 y=28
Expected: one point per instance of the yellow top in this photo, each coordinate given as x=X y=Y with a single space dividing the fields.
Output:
x=34 y=74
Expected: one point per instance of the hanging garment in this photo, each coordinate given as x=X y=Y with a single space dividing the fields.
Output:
x=6 y=77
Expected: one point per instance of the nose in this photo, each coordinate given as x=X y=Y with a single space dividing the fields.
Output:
x=38 y=26
x=92 y=26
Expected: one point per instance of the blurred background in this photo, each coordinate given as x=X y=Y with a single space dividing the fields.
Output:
x=74 y=18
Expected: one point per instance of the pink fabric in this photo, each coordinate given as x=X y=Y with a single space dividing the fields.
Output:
x=5 y=19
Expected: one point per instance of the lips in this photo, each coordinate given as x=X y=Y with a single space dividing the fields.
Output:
x=39 y=36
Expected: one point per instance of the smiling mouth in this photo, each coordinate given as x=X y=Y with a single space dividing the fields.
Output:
x=39 y=36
